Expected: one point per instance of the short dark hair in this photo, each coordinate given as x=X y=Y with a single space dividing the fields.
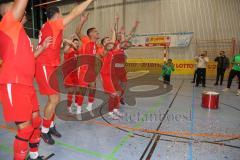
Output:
x=90 y=30
x=51 y=11
x=102 y=41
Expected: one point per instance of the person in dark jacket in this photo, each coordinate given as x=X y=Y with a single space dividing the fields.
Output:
x=222 y=65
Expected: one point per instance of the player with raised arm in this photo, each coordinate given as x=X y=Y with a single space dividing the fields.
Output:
x=18 y=96
x=70 y=51
x=120 y=57
x=109 y=76
x=89 y=47
x=49 y=60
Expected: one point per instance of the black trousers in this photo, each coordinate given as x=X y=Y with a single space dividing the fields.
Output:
x=232 y=74
x=201 y=76
x=220 y=75
x=195 y=76
x=166 y=79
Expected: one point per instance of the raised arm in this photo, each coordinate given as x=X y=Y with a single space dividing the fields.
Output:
x=76 y=12
x=116 y=23
x=67 y=45
x=133 y=30
x=196 y=58
x=83 y=20
x=18 y=9
x=206 y=59
x=122 y=33
x=114 y=38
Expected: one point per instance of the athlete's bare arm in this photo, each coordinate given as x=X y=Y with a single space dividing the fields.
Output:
x=76 y=12
x=114 y=38
x=67 y=44
x=47 y=42
x=17 y=8
x=123 y=36
x=83 y=20
x=116 y=23
x=134 y=29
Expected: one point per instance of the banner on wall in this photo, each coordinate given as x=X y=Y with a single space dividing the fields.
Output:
x=182 y=67
x=181 y=39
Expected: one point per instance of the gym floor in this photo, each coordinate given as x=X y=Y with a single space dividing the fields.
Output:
x=166 y=126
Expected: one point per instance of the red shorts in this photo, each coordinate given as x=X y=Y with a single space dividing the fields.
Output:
x=71 y=80
x=43 y=74
x=110 y=84
x=86 y=76
x=19 y=102
x=121 y=74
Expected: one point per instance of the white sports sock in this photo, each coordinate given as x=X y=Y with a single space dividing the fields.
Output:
x=89 y=107
x=90 y=104
x=52 y=125
x=44 y=130
x=79 y=109
x=110 y=113
x=33 y=155
x=115 y=110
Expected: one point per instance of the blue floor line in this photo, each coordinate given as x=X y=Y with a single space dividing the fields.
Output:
x=190 y=152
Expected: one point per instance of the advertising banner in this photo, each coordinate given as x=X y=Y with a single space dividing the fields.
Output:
x=182 y=67
x=182 y=39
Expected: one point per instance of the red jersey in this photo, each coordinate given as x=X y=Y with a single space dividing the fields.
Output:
x=67 y=56
x=70 y=78
x=88 y=47
x=120 y=56
x=51 y=55
x=70 y=54
x=107 y=67
x=100 y=49
x=16 y=52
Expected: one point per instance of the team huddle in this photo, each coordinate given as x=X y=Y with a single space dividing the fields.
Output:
x=21 y=64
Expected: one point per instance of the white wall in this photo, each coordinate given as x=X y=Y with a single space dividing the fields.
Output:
x=208 y=19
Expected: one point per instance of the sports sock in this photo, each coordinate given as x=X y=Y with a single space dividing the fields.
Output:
x=21 y=143
x=35 y=138
x=46 y=125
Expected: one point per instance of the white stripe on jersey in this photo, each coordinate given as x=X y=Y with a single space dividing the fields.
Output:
x=94 y=49
x=9 y=91
x=45 y=73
